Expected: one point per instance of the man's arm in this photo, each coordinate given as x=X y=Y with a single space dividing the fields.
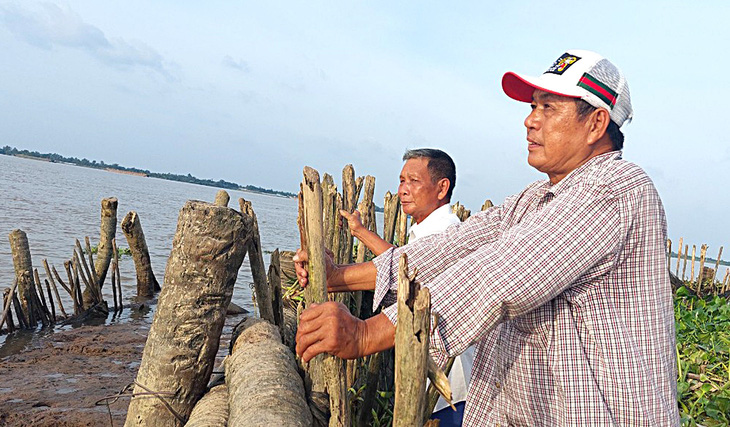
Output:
x=340 y=278
x=371 y=240
x=330 y=328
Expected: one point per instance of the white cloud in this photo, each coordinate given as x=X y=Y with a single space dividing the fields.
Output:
x=48 y=25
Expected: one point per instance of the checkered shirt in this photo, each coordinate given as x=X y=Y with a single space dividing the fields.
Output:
x=565 y=290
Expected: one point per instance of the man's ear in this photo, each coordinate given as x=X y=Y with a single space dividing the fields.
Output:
x=443 y=185
x=598 y=122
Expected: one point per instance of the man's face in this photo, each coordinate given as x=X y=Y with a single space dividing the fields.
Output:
x=556 y=135
x=419 y=195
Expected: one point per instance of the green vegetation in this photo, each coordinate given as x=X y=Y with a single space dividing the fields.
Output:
x=703 y=353
x=57 y=158
x=120 y=251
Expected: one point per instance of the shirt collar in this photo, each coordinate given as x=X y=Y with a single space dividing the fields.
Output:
x=434 y=219
x=576 y=174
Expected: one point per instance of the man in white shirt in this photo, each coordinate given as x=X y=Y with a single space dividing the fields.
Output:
x=427 y=181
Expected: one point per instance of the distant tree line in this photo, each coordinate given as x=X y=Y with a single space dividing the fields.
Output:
x=57 y=158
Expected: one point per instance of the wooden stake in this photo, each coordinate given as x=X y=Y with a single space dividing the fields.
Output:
x=53 y=285
x=8 y=297
x=391 y=207
x=717 y=265
x=324 y=371
x=700 y=276
x=147 y=284
x=402 y=227
x=487 y=204
x=725 y=281
x=692 y=275
x=50 y=301
x=679 y=256
x=207 y=251
x=258 y=269
x=684 y=264
x=94 y=276
x=23 y=272
x=411 y=348
x=108 y=231
x=72 y=284
x=222 y=198
x=349 y=201
x=669 y=253
x=22 y=319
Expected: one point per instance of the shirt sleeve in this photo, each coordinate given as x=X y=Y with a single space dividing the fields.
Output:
x=456 y=241
x=531 y=263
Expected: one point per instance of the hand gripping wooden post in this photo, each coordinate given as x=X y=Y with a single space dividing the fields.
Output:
x=325 y=372
x=207 y=251
x=412 y=334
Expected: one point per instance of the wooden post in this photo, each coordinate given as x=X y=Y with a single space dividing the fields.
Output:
x=703 y=252
x=331 y=216
x=487 y=204
x=412 y=334
x=349 y=200
x=72 y=284
x=258 y=270
x=402 y=228
x=692 y=275
x=22 y=321
x=725 y=281
x=669 y=253
x=324 y=371
x=274 y=279
x=146 y=281
x=7 y=299
x=207 y=251
x=264 y=388
x=55 y=289
x=391 y=207
x=108 y=232
x=679 y=256
x=717 y=265
x=50 y=302
x=40 y=299
x=23 y=273
x=684 y=264
x=222 y=198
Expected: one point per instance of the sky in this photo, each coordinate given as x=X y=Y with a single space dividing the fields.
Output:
x=251 y=92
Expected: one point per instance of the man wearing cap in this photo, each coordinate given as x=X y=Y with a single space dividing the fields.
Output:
x=564 y=287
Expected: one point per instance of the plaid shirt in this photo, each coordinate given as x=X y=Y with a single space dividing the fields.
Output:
x=565 y=290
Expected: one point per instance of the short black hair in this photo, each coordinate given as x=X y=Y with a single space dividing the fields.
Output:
x=440 y=165
x=613 y=131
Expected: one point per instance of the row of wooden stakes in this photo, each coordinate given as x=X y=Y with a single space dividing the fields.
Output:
x=705 y=283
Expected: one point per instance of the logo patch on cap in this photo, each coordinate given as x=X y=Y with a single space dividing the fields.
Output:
x=563 y=63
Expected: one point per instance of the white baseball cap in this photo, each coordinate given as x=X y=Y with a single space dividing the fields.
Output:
x=578 y=74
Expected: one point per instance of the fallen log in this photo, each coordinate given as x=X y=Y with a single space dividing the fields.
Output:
x=178 y=358
x=263 y=384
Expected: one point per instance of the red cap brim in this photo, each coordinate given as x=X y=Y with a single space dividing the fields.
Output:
x=520 y=89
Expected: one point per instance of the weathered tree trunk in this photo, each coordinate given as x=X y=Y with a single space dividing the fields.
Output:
x=211 y=410
x=222 y=198
x=207 y=251
x=146 y=281
x=108 y=232
x=23 y=274
x=325 y=372
x=258 y=269
x=411 y=348
x=264 y=386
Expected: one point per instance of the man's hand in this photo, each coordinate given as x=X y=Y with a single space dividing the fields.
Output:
x=301 y=258
x=330 y=328
x=353 y=222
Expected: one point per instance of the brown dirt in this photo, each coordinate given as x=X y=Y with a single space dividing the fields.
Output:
x=58 y=381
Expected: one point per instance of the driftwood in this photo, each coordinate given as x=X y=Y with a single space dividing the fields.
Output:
x=258 y=270
x=211 y=410
x=261 y=373
x=325 y=372
x=23 y=274
x=412 y=334
x=147 y=284
x=207 y=251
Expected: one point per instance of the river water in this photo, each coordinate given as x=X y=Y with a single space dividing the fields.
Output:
x=57 y=203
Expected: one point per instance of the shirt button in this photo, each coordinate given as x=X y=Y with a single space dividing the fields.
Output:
x=497 y=384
